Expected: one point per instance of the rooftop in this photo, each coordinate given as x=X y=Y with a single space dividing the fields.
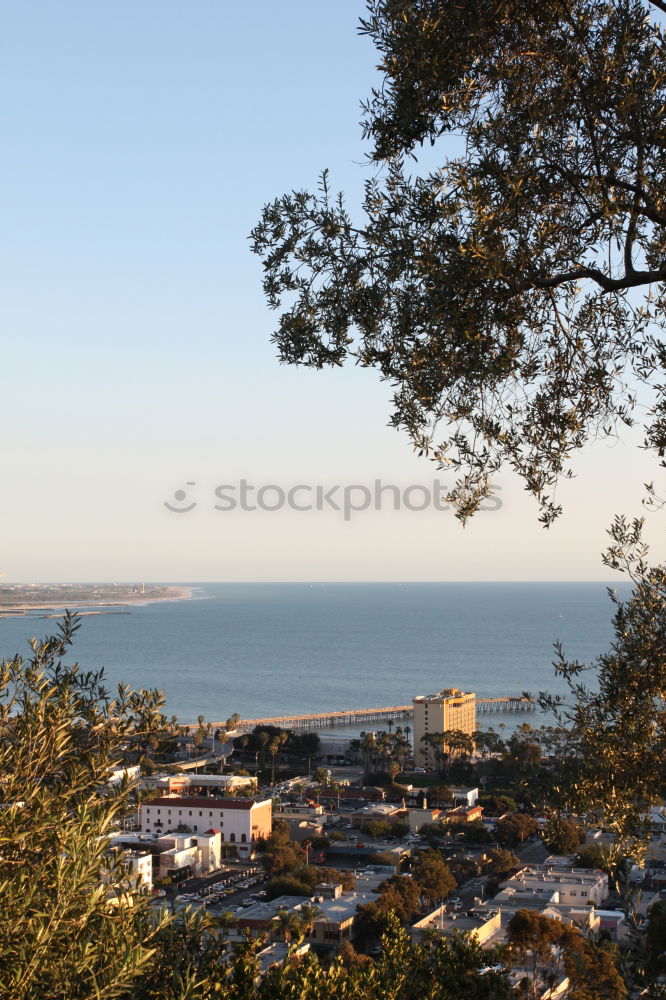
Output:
x=205 y=802
x=444 y=693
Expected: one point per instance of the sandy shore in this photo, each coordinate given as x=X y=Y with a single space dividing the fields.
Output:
x=170 y=594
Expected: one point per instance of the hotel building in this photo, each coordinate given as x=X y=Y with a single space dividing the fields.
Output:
x=435 y=713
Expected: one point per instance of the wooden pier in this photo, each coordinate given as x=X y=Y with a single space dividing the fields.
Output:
x=397 y=714
x=509 y=703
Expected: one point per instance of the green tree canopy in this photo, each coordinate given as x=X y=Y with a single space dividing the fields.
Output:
x=433 y=876
x=613 y=765
x=492 y=290
x=562 y=835
x=550 y=946
x=515 y=828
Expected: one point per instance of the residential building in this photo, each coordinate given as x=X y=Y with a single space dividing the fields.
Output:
x=557 y=884
x=465 y=796
x=420 y=817
x=332 y=926
x=241 y=822
x=436 y=713
x=137 y=865
x=485 y=928
x=387 y=811
x=276 y=953
x=464 y=814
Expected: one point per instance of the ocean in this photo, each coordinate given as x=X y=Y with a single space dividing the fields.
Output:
x=269 y=649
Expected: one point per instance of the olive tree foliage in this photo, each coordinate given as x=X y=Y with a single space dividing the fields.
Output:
x=612 y=766
x=513 y=296
x=73 y=926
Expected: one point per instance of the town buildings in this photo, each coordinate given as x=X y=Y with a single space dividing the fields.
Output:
x=241 y=822
x=557 y=884
x=436 y=713
x=198 y=784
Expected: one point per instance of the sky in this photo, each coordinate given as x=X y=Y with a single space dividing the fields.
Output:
x=141 y=140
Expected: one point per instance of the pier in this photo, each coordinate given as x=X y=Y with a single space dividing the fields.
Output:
x=398 y=714
x=508 y=703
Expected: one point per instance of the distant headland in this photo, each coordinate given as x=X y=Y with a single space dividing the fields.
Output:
x=22 y=598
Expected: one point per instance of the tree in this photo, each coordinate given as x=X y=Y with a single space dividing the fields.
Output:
x=274 y=749
x=436 y=742
x=515 y=829
x=280 y=853
x=501 y=861
x=471 y=833
x=433 y=876
x=495 y=804
x=72 y=926
x=562 y=835
x=399 y=895
x=594 y=856
x=288 y=925
x=616 y=745
x=492 y=291
x=655 y=941
x=551 y=948
x=377 y=828
x=308 y=914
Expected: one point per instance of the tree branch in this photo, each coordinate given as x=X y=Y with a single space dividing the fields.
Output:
x=632 y=280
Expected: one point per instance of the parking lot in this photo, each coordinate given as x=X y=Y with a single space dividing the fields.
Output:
x=227 y=887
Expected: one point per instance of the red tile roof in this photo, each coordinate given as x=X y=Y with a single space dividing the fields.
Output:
x=201 y=803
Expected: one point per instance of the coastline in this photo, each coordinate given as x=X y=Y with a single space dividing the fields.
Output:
x=173 y=594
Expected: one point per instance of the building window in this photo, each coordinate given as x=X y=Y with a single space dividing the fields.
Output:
x=232 y=838
x=243 y=838
x=200 y=813
x=195 y=827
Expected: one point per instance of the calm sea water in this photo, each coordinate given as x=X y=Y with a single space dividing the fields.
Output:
x=273 y=649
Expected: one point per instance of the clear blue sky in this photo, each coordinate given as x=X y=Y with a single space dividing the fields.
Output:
x=140 y=141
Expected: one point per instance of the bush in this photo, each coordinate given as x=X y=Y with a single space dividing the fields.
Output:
x=385 y=859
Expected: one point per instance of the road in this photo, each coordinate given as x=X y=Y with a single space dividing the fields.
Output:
x=534 y=852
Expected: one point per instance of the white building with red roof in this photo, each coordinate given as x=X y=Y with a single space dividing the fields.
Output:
x=240 y=821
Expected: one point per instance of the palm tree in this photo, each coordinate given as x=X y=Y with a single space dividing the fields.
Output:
x=440 y=750
x=308 y=914
x=288 y=925
x=368 y=751
x=273 y=749
x=282 y=739
x=232 y=721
